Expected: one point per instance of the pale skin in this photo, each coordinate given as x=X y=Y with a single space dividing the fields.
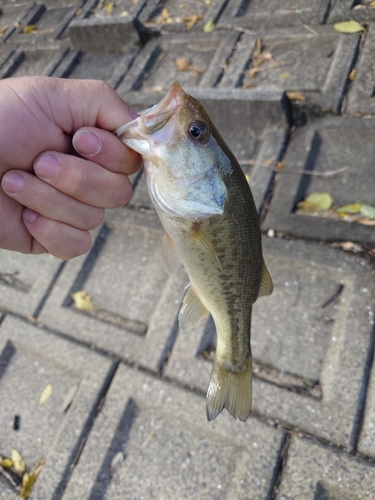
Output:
x=50 y=196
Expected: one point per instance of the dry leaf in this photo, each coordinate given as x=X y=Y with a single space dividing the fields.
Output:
x=69 y=398
x=352 y=74
x=191 y=20
x=29 y=28
x=253 y=72
x=46 y=394
x=295 y=96
x=108 y=7
x=209 y=26
x=124 y=13
x=82 y=300
x=7 y=463
x=366 y=222
x=348 y=27
x=29 y=478
x=183 y=64
x=349 y=246
x=18 y=461
x=285 y=75
x=157 y=88
x=3 y=29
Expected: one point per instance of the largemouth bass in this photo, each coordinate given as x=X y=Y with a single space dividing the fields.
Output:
x=211 y=225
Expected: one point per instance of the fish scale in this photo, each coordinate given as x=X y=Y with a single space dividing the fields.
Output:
x=206 y=207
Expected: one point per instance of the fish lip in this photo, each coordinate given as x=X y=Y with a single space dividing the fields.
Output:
x=154 y=118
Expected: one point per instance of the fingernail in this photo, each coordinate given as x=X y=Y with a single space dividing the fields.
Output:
x=46 y=165
x=13 y=182
x=29 y=215
x=133 y=114
x=86 y=142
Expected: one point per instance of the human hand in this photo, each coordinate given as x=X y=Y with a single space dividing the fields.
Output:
x=46 y=119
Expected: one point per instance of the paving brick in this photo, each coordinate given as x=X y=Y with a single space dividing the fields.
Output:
x=10 y=16
x=313 y=62
x=317 y=472
x=257 y=13
x=366 y=442
x=109 y=67
x=89 y=31
x=347 y=9
x=30 y=359
x=167 y=449
x=361 y=95
x=137 y=303
x=180 y=16
x=322 y=146
x=33 y=61
x=293 y=335
x=50 y=20
x=24 y=280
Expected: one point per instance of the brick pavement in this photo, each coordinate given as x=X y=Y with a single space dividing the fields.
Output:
x=126 y=418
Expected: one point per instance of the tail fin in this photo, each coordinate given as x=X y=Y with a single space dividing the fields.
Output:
x=229 y=389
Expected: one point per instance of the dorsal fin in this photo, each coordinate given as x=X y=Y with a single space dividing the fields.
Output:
x=169 y=254
x=266 y=285
x=192 y=310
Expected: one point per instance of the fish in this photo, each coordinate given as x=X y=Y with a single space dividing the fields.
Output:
x=211 y=224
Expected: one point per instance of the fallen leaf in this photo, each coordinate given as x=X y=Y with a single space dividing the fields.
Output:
x=82 y=300
x=3 y=29
x=191 y=20
x=353 y=208
x=268 y=161
x=285 y=75
x=366 y=222
x=209 y=26
x=7 y=463
x=323 y=201
x=157 y=88
x=29 y=478
x=124 y=13
x=352 y=74
x=207 y=2
x=18 y=461
x=295 y=96
x=183 y=64
x=46 y=394
x=116 y=461
x=367 y=211
x=108 y=7
x=348 y=27
x=69 y=398
x=254 y=71
x=29 y=28
x=349 y=246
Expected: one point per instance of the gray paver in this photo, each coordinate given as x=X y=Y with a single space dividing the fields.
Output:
x=11 y=15
x=313 y=62
x=316 y=472
x=293 y=334
x=322 y=146
x=170 y=450
x=32 y=61
x=31 y=358
x=347 y=9
x=361 y=95
x=366 y=442
x=137 y=301
x=257 y=13
x=24 y=280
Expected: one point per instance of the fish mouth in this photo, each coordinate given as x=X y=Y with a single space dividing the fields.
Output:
x=154 y=119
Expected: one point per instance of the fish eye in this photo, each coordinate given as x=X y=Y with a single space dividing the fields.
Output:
x=198 y=131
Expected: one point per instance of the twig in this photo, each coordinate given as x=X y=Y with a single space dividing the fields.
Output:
x=337 y=293
x=329 y=173
x=310 y=29
x=9 y=477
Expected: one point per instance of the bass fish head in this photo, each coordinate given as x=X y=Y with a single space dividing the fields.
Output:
x=187 y=169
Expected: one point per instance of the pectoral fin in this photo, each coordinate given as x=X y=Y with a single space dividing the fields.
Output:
x=266 y=285
x=206 y=245
x=170 y=255
x=192 y=310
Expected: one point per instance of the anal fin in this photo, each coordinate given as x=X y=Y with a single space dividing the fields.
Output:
x=192 y=310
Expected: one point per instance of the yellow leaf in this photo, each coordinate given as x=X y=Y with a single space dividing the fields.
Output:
x=3 y=29
x=306 y=206
x=6 y=462
x=323 y=201
x=353 y=208
x=352 y=74
x=29 y=478
x=295 y=96
x=82 y=300
x=191 y=20
x=18 y=461
x=209 y=26
x=348 y=27
x=29 y=28
x=108 y=7
x=285 y=75
x=46 y=394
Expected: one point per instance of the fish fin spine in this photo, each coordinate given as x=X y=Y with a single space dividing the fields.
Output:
x=229 y=389
x=192 y=310
x=266 y=285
